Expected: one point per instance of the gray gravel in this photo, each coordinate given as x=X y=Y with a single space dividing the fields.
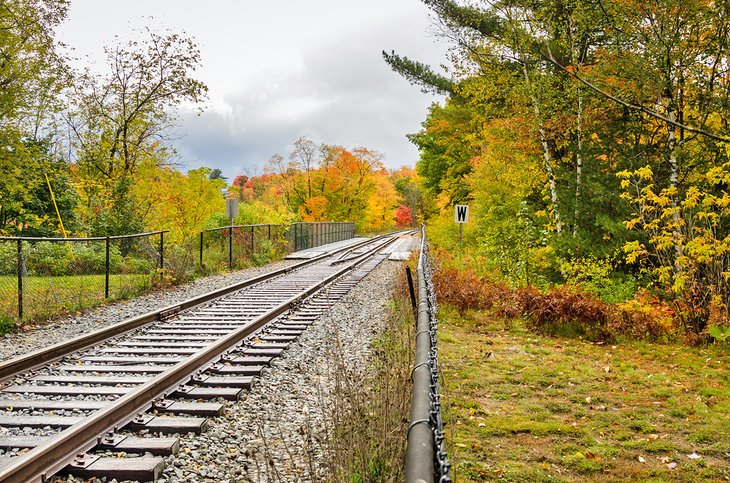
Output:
x=74 y=325
x=276 y=432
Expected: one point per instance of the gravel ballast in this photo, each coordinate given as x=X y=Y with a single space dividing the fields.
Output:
x=275 y=433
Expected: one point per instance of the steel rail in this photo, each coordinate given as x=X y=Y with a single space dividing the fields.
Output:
x=39 y=358
x=42 y=462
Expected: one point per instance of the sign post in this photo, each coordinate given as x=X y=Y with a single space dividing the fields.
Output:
x=461 y=216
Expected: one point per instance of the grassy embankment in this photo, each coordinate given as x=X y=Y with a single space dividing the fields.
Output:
x=47 y=296
x=526 y=407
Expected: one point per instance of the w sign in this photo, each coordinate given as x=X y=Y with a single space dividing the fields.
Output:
x=461 y=213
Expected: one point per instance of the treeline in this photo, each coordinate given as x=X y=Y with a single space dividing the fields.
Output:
x=88 y=152
x=591 y=140
x=331 y=183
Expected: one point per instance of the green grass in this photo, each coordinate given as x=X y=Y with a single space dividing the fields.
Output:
x=524 y=407
x=47 y=296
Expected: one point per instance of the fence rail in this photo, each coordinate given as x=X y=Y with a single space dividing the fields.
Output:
x=41 y=277
x=426 y=459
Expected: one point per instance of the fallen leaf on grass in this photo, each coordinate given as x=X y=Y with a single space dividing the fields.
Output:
x=694 y=456
x=592 y=456
x=607 y=369
x=641 y=459
x=672 y=465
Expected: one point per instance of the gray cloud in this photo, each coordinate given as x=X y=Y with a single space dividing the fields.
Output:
x=342 y=92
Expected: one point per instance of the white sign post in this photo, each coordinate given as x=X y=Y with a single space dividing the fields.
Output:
x=461 y=216
x=231 y=209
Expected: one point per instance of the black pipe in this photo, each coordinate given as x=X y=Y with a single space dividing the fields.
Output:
x=420 y=452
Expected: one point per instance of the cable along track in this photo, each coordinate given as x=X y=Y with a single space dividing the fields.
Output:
x=161 y=373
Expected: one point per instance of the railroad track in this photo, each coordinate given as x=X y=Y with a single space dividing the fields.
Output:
x=80 y=406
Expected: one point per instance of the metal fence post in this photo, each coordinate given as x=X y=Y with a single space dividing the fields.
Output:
x=162 y=251
x=106 y=271
x=269 y=226
x=253 y=246
x=20 y=279
x=201 y=248
x=230 y=247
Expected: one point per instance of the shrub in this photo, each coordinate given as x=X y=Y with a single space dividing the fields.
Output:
x=599 y=277
x=461 y=288
x=8 y=258
x=7 y=325
x=180 y=264
x=48 y=258
x=644 y=317
x=137 y=265
x=92 y=259
x=566 y=311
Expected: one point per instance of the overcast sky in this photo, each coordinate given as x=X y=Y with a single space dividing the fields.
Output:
x=282 y=69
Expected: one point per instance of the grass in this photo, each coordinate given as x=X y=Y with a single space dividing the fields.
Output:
x=524 y=407
x=47 y=296
x=369 y=418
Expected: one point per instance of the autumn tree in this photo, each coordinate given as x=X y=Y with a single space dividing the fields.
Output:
x=597 y=90
x=121 y=119
x=182 y=203
x=403 y=217
x=32 y=72
x=326 y=182
x=32 y=76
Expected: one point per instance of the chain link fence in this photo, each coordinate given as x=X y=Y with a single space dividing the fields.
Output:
x=310 y=235
x=240 y=246
x=41 y=277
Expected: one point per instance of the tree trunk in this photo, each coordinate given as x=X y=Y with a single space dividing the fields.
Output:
x=673 y=182
x=578 y=164
x=546 y=154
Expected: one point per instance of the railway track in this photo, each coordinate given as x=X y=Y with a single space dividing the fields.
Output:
x=79 y=406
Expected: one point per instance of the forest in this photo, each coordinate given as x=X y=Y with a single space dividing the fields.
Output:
x=590 y=139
